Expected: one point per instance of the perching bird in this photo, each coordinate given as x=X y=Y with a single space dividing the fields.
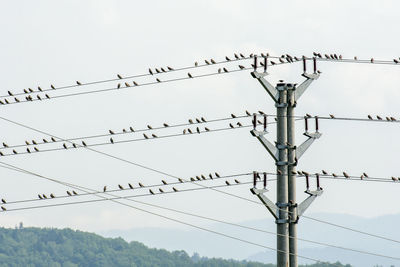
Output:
x=40 y=197
x=3 y=200
x=162 y=191
x=145 y=136
x=203 y=177
x=26 y=91
x=190 y=75
x=379 y=118
x=227 y=58
x=36 y=149
x=217 y=174
x=34 y=142
x=135 y=83
x=392 y=119
x=166 y=125
x=205 y=128
x=45 y=141
x=3 y=208
x=198 y=178
x=11 y=94
x=111 y=140
x=184 y=131
x=206 y=61
x=387 y=118
x=53 y=139
x=5 y=100
x=15 y=152
x=230 y=125
x=16 y=99
x=370 y=117
x=75 y=193
x=170 y=68
x=239 y=124
x=47 y=96
x=150 y=71
x=64 y=145
x=154 y=136
x=210 y=175
x=331 y=116
x=365 y=174
x=52 y=195
x=308 y=115
x=39 y=88
x=241 y=67
x=151 y=192
x=236 y=181
x=44 y=196
x=236 y=56
x=192 y=179
x=393 y=178
x=110 y=131
x=74 y=145
x=334 y=175
x=83 y=143
x=225 y=69
x=190 y=131
x=248 y=113
x=52 y=86
x=27 y=150
x=78 y=83
x=180 y=180
x=196 y=64
x=346 y=175
x=162 y=69
x=132 y=130
x=27 y=142
x=130 y=186
x=197 y=129
x=227 y=183
x=5 y=145
x=69 y=193
x=158 y=80
x=198 y=120
x=121 y=187
x=157 y=70
x=105 y=188
x=213 y=61
x=141 y=185
x=233 y=115
x=118 y=85
x=176 y=190
x=149 y=126
x=219 y=70
x=163 y=181
x=372 y=60
x=324 y=172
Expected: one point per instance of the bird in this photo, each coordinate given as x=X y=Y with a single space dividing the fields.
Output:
x=192 y=179
x=346 y=175
x=248 y=113
x=196 y=64
x=15 y=152
x=387 y=118
x=3 y=200
x=130 y=186
x=239 y=124
x=145 y=136
x=190 y=75
x=149 y=126
x=236 y=56
x=203 y=177
x=190 y=131
x=52 y=86
x=27 y=142
x=127 y=84
x=227 y=59
x=233 y=115
x=151 y=191
x=39 y=88
x=324 y=172
x=236 y=181
x=370 y=117
x=111 y=140
x=26 y=91
x=372 y=60
x=121 y=187
x=45 y=141
x=393 y=178
x=78 y=83
x=197 y=129
x=34 y=142
x=111 y=131
x=219 y=70
x=205 y=128
x=154 y=136
x=36 y=149
x=44 y=196
x=52 y=195
x=9 y=93
x=141 y=185
x=132 y=130
x=16 y=99
x=241 y=67
x=3 y=208
x=75 y=193
x=176 y=190
x=379 y=118
x=166 y=125
x=150 y=71
x=225 y=69
x=162 y=191
x=135 y=83
x=332 y=117
x=180 y=180
x=198 y=120
x=5 y=145
x=157 y=70
x=162 y=69
x=184 y=131
x=392 y=119
x=27 y=150
x=230 y=125
x=210 y=175
x=395 y=61
x=334 y=175
x=74 y=145
x=64 y=145
x=158 y=80
x=53 y=139
x=170 y=68
x=5 y=100
x=213 y=61
x=227 y=183
x=217 y=174
x=69 y=193
x=47 y=96
x=119 y=76
x=365 y=174
x=308 y=115
x=198 y=178
x=40 y=197
x=83 y=143
x=305 y=173
x=163 y=181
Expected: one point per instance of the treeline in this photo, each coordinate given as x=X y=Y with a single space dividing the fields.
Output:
x=34 y=247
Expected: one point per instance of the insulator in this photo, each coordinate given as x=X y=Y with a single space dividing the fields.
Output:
x=315 y=64
x=255 y=63
x=307 y=182
x=265 y=123
x=318 y=181
x=254 y=121
x=316 y=123
x=254 y=179
x=304 y=65
x=265 y=180
x=265 y=63
x=306 y=123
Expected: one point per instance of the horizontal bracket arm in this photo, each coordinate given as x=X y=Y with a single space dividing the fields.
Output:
x=306 y=144
x=272 y=150
x=271 y=90
x=268 y=203
x=307 y=202
x=304 y=85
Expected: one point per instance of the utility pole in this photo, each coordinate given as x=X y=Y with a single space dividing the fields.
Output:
x=286 y=211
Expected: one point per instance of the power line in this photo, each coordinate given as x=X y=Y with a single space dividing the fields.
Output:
x=150 y=212
x=213 y=189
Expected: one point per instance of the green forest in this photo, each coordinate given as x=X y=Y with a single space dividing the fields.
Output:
x=69 y=248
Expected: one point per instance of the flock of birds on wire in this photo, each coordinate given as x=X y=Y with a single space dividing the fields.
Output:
x=286 y=58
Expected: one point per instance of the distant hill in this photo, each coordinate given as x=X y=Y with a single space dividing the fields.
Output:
x=68 y=248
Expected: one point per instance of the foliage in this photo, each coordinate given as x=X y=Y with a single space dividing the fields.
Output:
x=50 y=247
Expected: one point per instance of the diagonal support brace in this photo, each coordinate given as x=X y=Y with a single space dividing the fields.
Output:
x=307 y=202
x=268 y=203
x=272 y=150
x=304 y=85
x=271 y=90
x=306 y=144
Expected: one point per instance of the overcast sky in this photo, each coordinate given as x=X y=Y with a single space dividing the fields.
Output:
x=59 y=42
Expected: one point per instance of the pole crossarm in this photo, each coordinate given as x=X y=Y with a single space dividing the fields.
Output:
x=266 y=201
x=306 y=144
x=271 y=90
x=272 y=150
x=307 y=202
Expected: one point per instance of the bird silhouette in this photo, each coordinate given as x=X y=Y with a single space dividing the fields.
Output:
x=219 y=70
x=379 y=118
x=162 y=69
x=64 y=145
x=75 y=193
x=145 y=136
x=3 y=208
x=78 y=83
x=5 y=100
x=141 y=185
x=230 y=125
x=135 y=83
x=227 y=59
x=370 y=117
x=52 y=87
x=190 y=131
x=9 y=93
x=170 y=68
x=184 y=131
x=192 y=179
x=44 y=196
x=205 y=128
x=365 y=174
x=217 y=174
x=27 y=150
x=332 y=117
x=392 y=119
x=197 y=129
x=3 y=200
x=83 y=143
x=118 y=85
x=393 y=178
x=151 y=191
x=162 y=191
x=346 y=175
x=157 y=70
x=119 y=76
x=47 y=96
x=225 y=69
x=40 y=197
x=196 y=64
x=132 y=130
x=111 y=140
x=150 y=71
x=227 y=183
x=236 y=181
x=40 y=89
x=26 y=91
x=52 y=195
x=130 y=186
x=149 y=126
x=190 y=75
x=15 y=152
x=241 y=67
x=180 y=180
x=36 y=149
x=154 y=136
x=163 y=181
x=121 y=187
x=176 y=190
x=158 y=80
x=372 y=60
x=334 y=175
x=324 y=172
x=213 y=61
x=5 y=145
x=74 y=145
x=198 y=120
x=69 y=193
x=166 y=125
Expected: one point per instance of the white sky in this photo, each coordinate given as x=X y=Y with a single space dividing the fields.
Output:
x=59 y=42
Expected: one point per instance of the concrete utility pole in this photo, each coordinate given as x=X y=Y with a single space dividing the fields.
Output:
x=285 y=153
